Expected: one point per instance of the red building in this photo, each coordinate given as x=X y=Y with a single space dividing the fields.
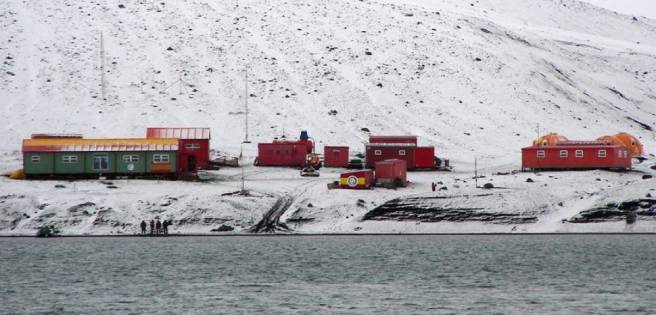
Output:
x=381 y=148
x=194 y=146
x=389 y=172
x=576 y=155
x=376 y=152
x=285 y=152
x=357 y=180
x=335 y=156
x=425 y=158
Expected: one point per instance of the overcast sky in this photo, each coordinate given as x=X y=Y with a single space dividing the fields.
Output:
x=631 y=7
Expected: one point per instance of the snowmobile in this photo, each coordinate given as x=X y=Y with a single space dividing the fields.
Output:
x=309 y=171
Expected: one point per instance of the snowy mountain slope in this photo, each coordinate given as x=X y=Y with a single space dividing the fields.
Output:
x=473 y=78
x=465 y=77
x=645 y=8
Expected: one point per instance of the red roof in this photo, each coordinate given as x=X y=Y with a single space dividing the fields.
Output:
x=390 y=144
x=179 y=133
x=393 y=139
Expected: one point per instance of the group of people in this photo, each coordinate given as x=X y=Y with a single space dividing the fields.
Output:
x=156 y=227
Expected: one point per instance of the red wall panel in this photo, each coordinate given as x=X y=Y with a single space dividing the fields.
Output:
x=616 y=157
x=334 y=156
x=380 y=152
x=388 y=170
x=425 y=157
x=282 y=153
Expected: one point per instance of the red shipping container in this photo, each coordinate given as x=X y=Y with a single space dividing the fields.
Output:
x=335 y=156
x=283 y=153
x=576 y=155
x=393 y=139
x=390 y=171
x=357 y=180
x=194 y=146
x=425 y=158
x=377 y=152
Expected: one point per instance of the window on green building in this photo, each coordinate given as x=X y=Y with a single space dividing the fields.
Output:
x=36 y=159
x=130 y=158
x=100 y=162
x=69 y=159
x=160 y=158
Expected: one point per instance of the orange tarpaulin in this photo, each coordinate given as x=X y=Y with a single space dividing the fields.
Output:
x=549 y=140
x=629 y=141
x=624 y=139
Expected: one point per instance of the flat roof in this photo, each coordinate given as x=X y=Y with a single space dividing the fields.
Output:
x=391 y=145
x=98 y=145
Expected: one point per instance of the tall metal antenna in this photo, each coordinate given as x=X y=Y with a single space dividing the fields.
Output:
x=476 y=170
x=102 y=68
x=246 y=105
x=180 y=80
x=243 y=175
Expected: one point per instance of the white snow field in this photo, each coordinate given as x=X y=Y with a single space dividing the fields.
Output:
x=646 y=8
x=473 y=78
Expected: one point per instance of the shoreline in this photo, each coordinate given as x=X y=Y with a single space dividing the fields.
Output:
x=338 y=234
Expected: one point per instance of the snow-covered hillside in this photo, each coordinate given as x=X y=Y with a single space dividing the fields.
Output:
x=467 y=77
x=645 y=8
x=473 y=78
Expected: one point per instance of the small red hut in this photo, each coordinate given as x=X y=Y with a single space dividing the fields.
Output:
x=357 y=180
x=425 y=158
x=335 y=156
x=194 y=144
x=389 y=172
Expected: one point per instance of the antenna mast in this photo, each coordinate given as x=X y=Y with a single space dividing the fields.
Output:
x=102 y=68
x=476 y=170
x=246 y=104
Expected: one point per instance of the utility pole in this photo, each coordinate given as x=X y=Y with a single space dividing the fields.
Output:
x=243 y=180
x=246 y=105
x=243 y=185
x=102 y=68
x=476 y=171
x=180 y=80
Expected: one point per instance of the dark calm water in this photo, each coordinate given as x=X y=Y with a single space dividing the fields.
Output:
x=569 y=274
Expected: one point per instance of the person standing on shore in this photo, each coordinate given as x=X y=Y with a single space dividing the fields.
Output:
x=152 y=227
x=165 y=227
x=158 y=227
x=143 y=227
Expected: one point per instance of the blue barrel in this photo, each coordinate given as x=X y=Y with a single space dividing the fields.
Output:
x=304 y=135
